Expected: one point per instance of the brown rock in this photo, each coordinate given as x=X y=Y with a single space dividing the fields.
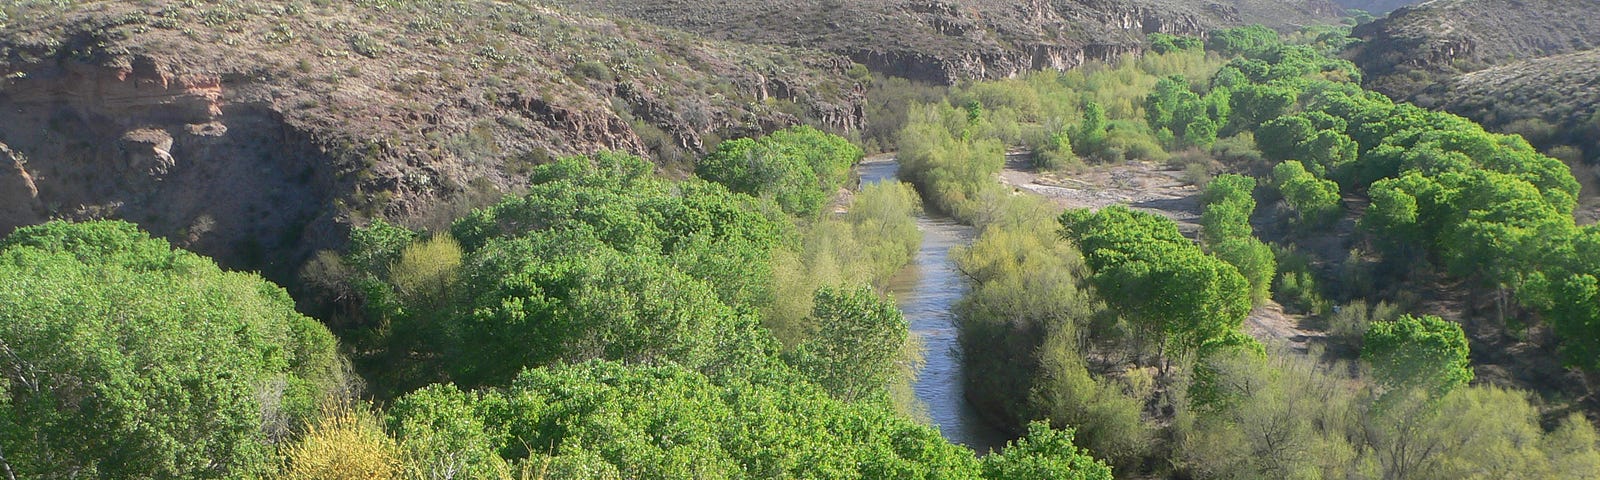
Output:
x=147 y=151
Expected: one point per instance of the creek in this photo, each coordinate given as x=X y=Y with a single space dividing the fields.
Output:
x=927 y=291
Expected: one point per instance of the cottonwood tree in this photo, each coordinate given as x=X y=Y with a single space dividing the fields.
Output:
x=121 y=357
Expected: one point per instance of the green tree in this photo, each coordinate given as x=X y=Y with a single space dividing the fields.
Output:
x=1253 y=104
x=1418 y=352
x=1248 y=40
x=1091 y=132
x=1166 y=43
x=121 y=357
x=1572 y=305
x=800 y=167
x=1315 y=201
x=1169 y=95
x=600 y=259
x=540 y=299
x=1255 y=262
x=1280 y=138
x=858 y=338
x=1152 y=274
x=1229 y=201
x=1225 y=227
x=1044 y=453
x=442 y=433
x=665 y=421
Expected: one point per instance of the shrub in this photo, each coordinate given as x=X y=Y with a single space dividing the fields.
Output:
x=344 y=444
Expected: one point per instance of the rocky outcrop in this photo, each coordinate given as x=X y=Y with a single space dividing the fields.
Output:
x=147 y=152
x=180 y=155
x=1377 y=7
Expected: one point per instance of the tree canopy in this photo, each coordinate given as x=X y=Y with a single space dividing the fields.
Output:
x=121 y=357
x=1152 y=273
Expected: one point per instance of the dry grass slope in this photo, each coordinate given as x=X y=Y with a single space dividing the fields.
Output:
x=952 y=40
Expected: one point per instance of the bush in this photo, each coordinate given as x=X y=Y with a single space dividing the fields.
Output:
x=655 y=422
x=426 y=270
x=345 y=444
x=1044 y=453
x=1349 y=323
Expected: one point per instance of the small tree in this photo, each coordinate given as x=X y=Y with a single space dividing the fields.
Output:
x=1423 y=352
x=858 y=339
x=1044 y=453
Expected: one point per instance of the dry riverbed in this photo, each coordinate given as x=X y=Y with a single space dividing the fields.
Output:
x=1147 y=186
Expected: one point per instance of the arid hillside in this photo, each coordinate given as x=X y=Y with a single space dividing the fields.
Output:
x=1377 y=7
x=944 y=41
x=1417 y=46
x=257 y=132
x=1551 y=100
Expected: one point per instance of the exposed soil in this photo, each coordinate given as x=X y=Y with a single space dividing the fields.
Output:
x=1146 y=186
x=1269 y=324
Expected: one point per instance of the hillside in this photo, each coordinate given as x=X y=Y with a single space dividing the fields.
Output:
x=1550 y=100
x=1376 y=7
x=1416 y=46
x=943 y=41
x=257 y=132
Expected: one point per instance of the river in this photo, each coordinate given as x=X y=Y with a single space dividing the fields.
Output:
x=927 y=292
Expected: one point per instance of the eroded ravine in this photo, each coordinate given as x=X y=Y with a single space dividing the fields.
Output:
x=927 y=292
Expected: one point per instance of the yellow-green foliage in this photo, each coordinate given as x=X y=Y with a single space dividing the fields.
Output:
x=426 y=269
x=1050 y=99
x=868 y=245
x=883 y=218
x=954 y=149
x=347 y=443
x=937 y=151
x=1025 y=327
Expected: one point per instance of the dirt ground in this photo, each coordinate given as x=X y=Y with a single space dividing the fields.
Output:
x=1147 y=186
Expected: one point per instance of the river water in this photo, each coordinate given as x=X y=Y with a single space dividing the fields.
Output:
x=927 y=292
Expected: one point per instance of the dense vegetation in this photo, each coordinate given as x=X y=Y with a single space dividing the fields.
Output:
x=124 y=358
x=1139 y=347
x=608 y=323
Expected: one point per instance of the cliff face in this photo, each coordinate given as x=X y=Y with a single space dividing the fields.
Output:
x=945 y=41
x=185 y=155
x=1417 y=46
x=257 y=132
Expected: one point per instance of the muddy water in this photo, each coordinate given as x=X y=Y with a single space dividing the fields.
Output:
x=927 y=291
